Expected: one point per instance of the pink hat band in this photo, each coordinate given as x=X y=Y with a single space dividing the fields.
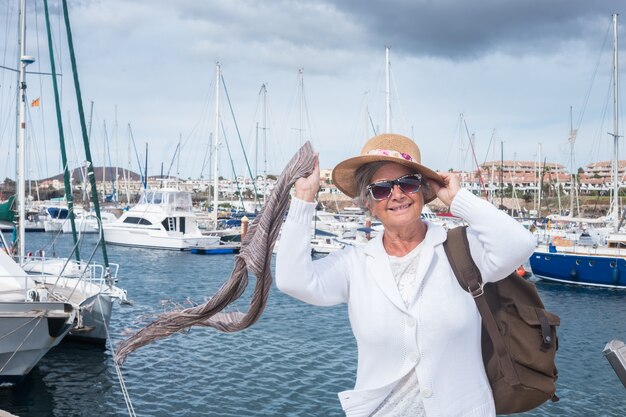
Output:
x=392 y=153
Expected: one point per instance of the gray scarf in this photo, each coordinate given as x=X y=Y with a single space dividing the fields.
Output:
x=255 y=256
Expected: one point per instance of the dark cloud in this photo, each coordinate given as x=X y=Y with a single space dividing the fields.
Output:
x=457 y=29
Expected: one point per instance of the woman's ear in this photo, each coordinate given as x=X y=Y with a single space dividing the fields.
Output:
x=370 y=208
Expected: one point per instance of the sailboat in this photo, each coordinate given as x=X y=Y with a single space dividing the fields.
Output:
x=85 y=285
x=593 y=265
x=31 y=322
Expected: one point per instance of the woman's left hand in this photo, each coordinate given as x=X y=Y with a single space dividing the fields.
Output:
x=447 y=192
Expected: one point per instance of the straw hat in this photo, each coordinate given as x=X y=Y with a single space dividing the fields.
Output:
x=386 y=147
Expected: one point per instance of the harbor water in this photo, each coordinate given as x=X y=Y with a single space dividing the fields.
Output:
x=291 y=363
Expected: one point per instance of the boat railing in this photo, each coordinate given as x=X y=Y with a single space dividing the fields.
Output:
x=86 y=272
x=24 y=289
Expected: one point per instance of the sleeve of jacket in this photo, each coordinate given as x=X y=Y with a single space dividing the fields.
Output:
x=498 y=242
x=321 y=282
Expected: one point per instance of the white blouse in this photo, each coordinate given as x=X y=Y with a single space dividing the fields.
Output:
x=406 y=398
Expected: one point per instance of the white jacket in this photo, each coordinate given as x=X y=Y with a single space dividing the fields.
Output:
x=439 y=334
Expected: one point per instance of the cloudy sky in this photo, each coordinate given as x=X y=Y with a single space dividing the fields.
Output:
x=506 y=72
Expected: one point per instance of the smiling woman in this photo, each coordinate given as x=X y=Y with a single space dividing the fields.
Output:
x=405 y=304
x=398 y=210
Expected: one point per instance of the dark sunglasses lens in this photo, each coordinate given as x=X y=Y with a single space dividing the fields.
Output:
x=409 y=184
x=381 y=190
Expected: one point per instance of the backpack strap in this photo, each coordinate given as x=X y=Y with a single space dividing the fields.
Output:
x=469 y=277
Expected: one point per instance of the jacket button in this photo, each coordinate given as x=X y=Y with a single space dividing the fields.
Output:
x=410 y=321
x=414 y=357
x=427 y=392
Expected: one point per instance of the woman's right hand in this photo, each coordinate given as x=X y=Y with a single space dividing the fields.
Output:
x=451 y=186
x=307 y=187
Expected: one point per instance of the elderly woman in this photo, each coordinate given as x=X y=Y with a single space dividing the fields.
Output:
x=417 y=332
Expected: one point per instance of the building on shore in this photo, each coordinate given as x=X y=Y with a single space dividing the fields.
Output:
x=518 y=179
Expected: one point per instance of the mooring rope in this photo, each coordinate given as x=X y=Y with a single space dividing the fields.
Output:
x=254 y=256
x=118 y=371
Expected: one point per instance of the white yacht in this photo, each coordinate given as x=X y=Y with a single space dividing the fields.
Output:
x=88 y=286
x=31 y=322
x=163 y=219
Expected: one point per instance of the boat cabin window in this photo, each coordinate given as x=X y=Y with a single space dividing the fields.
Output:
x=179 y=201
x=151 y=197
x=137 y=220
x=169 y=200
x=146 y=197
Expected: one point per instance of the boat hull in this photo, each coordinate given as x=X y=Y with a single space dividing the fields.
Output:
x=580 y=269
x=156 y=239
x=95 y=316
x=29 y=331
x=80 y=285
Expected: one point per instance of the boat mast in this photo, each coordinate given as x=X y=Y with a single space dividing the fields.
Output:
x=216 y=141
x=23 y=61
x=387 y=92
x=57 y=106
x=572 y=139
x=615 y=134
x=83 y=128
x=264 y=143
x=301 y=104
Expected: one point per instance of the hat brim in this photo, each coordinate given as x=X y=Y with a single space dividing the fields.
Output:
x=344 y=179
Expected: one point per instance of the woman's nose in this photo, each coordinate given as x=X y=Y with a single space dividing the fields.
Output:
x=396 y=191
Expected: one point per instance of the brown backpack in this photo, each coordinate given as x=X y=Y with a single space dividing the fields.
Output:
x=519 y=341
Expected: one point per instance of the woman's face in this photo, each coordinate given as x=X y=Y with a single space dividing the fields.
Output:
x=399 y=210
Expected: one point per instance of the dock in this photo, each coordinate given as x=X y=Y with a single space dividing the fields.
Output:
x=218 y=250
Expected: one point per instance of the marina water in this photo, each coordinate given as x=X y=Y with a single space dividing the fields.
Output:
x=292 y=362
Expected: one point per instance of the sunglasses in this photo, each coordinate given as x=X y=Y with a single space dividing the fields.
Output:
x=409 y=184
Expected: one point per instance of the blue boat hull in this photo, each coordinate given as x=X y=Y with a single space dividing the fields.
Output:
x=216 y=250
x=601 y=271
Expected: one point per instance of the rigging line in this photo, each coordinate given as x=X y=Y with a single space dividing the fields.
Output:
x=18 y=327
x=232 y=166
x=245 y=156
x=7 y=68
x=198 y=128
x=81 y=116
x=113 y=179
x=41 y=87
x=31 y=72
x=118 y=373
x=369 y=116
x=32 y=329
x=306 y=112
x=173 y=159
x=480 y=175
x=598 y=136
x=593 y=77
x=207 y=155
x=256 y=128
x=141 y=176
x=493 y=133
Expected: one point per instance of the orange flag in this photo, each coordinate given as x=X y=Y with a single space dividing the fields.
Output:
x=35 y=102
